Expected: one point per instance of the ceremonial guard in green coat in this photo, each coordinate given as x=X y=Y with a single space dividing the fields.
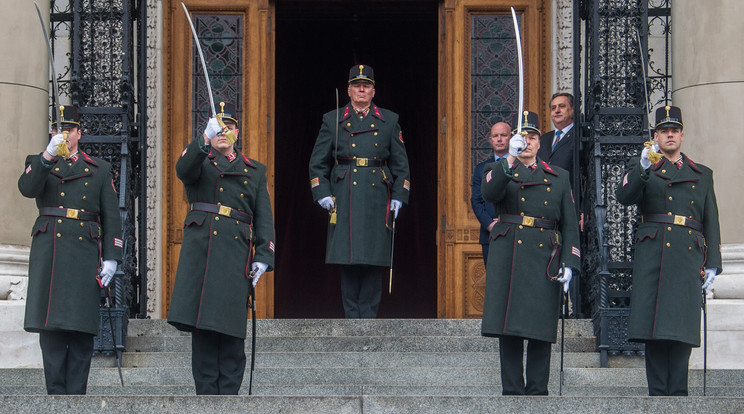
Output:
x=534 y=249
x=677 y=248
x=359 y=173
x=228 y=233
x=78 y=232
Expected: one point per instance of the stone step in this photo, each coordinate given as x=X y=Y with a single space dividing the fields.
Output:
x=182 y=343
x=353 y=327
x=357 y=390
x=365 y=404
x=364 y=376
x=352 y=359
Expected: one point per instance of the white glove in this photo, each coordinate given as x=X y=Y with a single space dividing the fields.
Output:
x=326 y=203
x=108 y=268
x=564 y=276
x=213 y=128
x=517 y=144
x=395 y=205
x=645 y=163
x=258 y=269
x=53 y=146
x=710 y=276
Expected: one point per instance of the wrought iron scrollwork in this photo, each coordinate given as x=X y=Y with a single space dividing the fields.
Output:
x=615 y=124
x=104 y=77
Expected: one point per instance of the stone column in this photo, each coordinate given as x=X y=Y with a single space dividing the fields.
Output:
x=24 y=83
x=708 y=85
x=24 y=79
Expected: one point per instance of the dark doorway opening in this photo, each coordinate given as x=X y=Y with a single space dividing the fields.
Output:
x=316 y=44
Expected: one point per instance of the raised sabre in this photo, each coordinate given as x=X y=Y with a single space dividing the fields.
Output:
x=62 y=149
x=653 y=156
x=518 y=36
x=226 y=131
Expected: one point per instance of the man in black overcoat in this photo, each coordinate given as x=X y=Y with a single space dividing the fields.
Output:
x=76 y=238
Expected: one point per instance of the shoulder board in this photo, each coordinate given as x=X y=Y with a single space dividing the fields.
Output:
x=248 y=161
x=88 y=159
x=377 y=113
x=547 y=168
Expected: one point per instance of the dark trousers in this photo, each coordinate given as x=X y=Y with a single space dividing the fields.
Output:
x=666 y=367
x=66 y=356
x=485 y=254
x=361 y=289
x=217 y=362
x=511 y=350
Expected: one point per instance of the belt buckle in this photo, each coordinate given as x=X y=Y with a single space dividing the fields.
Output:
x=362 y=162
x=72 y=213
x=528 y=221
x=225 y=211
x=680 y=220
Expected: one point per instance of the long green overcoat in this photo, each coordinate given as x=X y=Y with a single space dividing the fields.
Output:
x=521 y=299
x=669 y=259
x=63 y=293
x=362 y=233
x=212 y=286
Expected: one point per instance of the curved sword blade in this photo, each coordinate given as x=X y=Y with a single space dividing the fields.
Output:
x=645 y=84
x=201 y=57
x=51 y=67
x=518 y=36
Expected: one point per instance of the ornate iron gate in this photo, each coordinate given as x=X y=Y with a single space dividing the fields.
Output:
x=614 y=125
x=99 y=48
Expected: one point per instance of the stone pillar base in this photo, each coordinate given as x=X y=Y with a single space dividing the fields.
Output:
x=725 y=307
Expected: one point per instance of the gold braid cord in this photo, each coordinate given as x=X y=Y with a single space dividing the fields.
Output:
x=653 y=156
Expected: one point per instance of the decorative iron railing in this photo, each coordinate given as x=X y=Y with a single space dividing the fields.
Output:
x=99 y=56
x=614 y=125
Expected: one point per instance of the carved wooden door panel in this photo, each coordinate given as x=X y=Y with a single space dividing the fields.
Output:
x=237 y=39
x=478 y=87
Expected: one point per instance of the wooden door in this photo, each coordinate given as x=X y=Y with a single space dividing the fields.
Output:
x=478 y=87
x=237 y=38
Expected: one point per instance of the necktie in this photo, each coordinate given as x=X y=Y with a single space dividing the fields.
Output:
x=557 y=138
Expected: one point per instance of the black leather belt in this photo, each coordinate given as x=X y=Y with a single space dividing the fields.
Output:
x=670 y=219
x=527 y=221
x=71 y=213
x=362 y=162
x=223 y=211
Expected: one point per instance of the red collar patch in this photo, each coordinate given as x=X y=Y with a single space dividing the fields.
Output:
x=692 y=164
x=547 y=168
x=88 y=159
x=377 y=112
x=248 y=161
x=346 y=113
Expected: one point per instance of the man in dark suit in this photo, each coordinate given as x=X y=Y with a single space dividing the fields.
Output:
x=557 y=146
x=485 y=212
x=557 y=149
x=359 y=173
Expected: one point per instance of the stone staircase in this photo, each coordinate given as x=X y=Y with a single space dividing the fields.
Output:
x=358 y=366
